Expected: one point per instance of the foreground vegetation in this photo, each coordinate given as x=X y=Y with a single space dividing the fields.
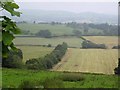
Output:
x=12 y=78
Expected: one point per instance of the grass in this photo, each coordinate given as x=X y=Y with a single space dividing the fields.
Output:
x=34 y=51
x=90 y=60
x=71 y=41
x=54 y=29
x=12 y=78
x=110 y=41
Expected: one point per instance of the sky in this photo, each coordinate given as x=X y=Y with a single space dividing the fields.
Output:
x=78 y=6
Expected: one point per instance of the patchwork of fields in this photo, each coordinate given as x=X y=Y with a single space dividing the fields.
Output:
x=90 y=60
x=76 y=60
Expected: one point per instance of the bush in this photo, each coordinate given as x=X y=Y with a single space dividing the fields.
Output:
x=72 y=77
x=14 y=60
x=117 y=69
x=53 y=83
x=88 y=44
x=49 y=60
x=44 y=33
x=116 y=47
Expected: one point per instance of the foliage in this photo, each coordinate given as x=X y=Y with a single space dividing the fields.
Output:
x=14 y=59
x=12 y=78
x=72 y=77
x=77 y=33
x=89 y=44
x=117 y=69
x=116 y=47
x=9 y=27
x=53 y=83
x=44 y=33
x=49 y=60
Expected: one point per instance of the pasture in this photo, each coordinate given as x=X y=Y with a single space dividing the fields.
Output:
x=54 y=29
x=109 y=41
x=12 y=78
x=89 y=60
x=30 y=52
x=71 y=41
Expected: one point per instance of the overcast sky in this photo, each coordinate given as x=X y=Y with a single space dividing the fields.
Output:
x=96 y=6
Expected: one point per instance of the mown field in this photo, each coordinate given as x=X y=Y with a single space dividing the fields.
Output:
x=89 y=60
x=71 y=41
x=30 y=52
x=12 y=78
x=110 y=41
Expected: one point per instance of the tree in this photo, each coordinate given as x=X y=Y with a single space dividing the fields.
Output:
x=9 y=28
x=77 y=33
x=44 y=33
x=117 y=70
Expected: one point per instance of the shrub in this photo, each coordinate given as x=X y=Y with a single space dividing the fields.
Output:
x=44 y=33
x=14 y=60
x=89 y=44
x=116 y=47
x=32 y=64
x=117 y=69
x=53 y=83
x=49 y=60
x=72 y=77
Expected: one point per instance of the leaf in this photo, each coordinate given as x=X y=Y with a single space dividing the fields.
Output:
x=14 y=5
x=13 y=47
x=7 y=37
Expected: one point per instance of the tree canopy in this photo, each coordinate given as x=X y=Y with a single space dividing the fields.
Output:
x=9 y=27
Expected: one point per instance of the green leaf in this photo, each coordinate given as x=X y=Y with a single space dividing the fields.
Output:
x=14 y=5
x=7 y=38
x=13 y=47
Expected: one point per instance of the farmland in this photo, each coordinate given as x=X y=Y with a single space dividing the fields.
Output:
x=30 y=52
x=54 y=29
x=90 y=60
x=109 y=41
x=71 y=41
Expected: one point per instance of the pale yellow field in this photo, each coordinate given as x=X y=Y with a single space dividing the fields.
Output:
x=30 y=52
x=109 y=41
x=89 y=60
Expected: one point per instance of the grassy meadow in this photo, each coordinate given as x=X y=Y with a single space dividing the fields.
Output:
x=30 y=52
x=12 y=78
x=89 y=60
x=54 y=29
x=71 y=41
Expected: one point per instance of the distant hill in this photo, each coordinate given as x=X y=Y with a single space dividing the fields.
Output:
x=65 y=16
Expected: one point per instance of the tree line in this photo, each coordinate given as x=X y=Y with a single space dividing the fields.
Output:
x=49 y=60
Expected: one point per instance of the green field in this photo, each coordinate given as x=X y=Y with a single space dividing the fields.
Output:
x=54 y=29
x=90 y=60
x=71 y=41
x=12 y=78
x=30 y=52
x=60 y=29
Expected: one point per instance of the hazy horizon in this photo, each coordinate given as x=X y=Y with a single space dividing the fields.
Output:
x=110 y=8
